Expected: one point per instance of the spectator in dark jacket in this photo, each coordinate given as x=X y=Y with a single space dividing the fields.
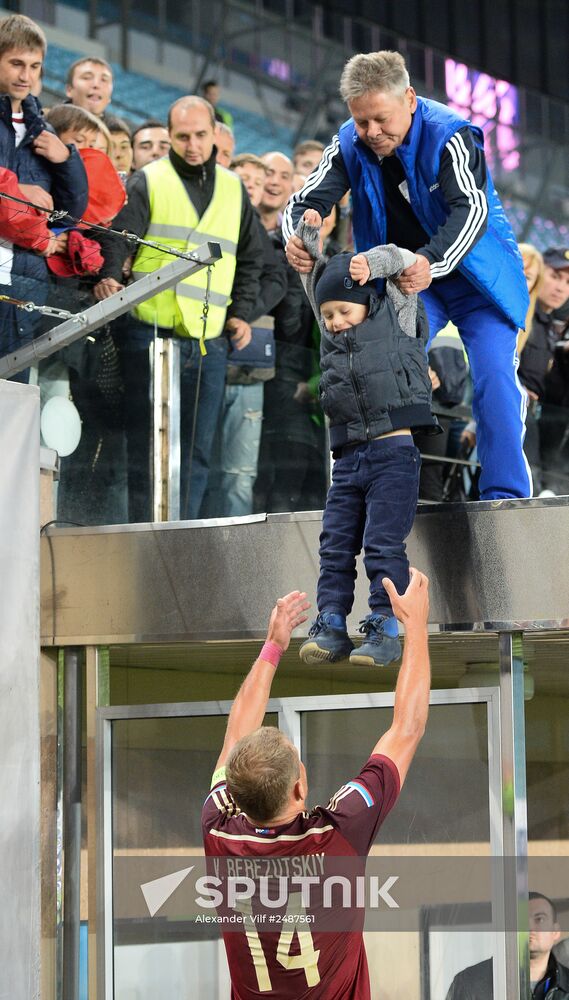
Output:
x=239 y=435
x=549 y=980
x=557 y=379
x=542 y=371
x=193 y=200
x=273 y=276
x=291 y=461
x=554 y=421
x=49 y=173
x=539 y=349
x=448 y=371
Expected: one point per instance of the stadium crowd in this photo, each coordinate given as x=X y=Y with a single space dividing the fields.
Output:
x=253 y=435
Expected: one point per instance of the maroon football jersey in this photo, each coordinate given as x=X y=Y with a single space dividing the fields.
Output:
x=295 y=962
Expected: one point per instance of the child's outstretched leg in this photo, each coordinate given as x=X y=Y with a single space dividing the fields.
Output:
x=391 y=468
x=340 y=543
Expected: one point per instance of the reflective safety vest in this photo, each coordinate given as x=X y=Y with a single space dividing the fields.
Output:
x=174 y=222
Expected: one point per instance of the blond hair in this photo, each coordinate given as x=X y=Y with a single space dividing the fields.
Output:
x=19 y=32
x=374 y=71
x=261 y=772
x=530 y=255
x=248 y=159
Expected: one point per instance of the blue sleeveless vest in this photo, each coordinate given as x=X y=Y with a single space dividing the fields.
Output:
x=494 y=265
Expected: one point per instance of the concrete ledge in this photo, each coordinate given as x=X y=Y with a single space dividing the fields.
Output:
x=493 y=566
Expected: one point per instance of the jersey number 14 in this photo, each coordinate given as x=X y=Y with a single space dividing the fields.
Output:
x=306 y=960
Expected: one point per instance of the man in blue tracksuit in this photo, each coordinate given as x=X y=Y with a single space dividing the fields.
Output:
x=418 y=179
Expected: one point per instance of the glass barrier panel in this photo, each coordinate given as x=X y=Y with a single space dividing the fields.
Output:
x=161 y=775
x=120 y=419
x=547 y=444
x=547 y=757
x=433 y=852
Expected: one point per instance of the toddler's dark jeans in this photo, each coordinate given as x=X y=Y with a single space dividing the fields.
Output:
x=371 y=502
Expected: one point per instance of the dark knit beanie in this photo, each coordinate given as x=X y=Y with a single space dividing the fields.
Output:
x=336 y=285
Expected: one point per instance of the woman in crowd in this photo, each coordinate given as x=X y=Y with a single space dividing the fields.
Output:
x=533 y=270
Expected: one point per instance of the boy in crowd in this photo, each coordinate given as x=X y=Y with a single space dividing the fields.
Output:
x=307 y=156
x=89 y=84
x=50 y=174
x=253 y=173
x=80 y=128
x=121 y=145
x=375 y=389
x=76 y=126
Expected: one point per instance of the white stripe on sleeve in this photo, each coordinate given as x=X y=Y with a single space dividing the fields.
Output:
x=477 y=212
x=312 y=182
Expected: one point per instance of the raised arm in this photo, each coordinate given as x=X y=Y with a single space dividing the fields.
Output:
x=388 y=262
x=411 y=708
x=248 y=709
x=327 y=185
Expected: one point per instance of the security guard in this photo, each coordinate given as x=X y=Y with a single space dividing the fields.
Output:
x=184 y=200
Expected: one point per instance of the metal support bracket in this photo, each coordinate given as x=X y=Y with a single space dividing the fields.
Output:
x=166 y=457
x=109 y=309
x=514 y=816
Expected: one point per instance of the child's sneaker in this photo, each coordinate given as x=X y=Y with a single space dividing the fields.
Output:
x=378 y=648
x=328 y=640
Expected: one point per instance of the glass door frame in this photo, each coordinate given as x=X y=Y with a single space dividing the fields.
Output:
x=289 y=712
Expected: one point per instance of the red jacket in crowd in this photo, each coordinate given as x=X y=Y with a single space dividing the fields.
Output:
x=21 y=224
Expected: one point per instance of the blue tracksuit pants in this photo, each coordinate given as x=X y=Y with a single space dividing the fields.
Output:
x=499 y=404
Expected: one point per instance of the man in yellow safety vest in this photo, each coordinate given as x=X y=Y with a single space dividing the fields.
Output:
x=183 y=200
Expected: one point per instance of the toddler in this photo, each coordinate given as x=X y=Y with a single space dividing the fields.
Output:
x=375 y=389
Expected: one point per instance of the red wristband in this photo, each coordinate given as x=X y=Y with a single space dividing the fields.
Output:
x=271 y=652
